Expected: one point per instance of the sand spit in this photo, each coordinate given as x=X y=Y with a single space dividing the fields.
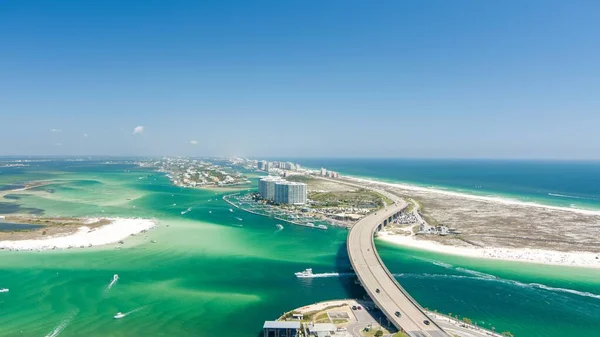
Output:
x=497 y=228
x=117 y=230
x=540 y=256
x=498 y=200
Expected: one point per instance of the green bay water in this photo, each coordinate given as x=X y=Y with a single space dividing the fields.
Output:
x=210 y=274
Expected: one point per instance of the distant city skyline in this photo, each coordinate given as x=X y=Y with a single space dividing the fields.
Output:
x=435 y=79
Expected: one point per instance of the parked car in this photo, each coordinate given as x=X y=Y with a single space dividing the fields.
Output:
x=377 y=290
x=353 y=307
x=426 y=322
x=398 y=314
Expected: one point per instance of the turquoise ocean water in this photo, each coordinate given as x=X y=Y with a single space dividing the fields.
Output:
x=210 y=274
x=557 y=183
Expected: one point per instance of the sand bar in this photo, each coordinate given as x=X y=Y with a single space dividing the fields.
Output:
x=117 y=230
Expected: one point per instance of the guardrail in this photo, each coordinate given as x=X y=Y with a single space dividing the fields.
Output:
x=402 y=290
x=389 y=274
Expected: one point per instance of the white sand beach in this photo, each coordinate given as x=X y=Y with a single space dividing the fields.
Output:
x=118 y=229
x=540 y=256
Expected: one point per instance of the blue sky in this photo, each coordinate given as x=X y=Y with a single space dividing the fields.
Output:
x=466 y=79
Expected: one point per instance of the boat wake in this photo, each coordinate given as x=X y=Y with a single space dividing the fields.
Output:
x=135 y=310
x=442 y=264
x=63 y=324
x=479 y=276
x=309 y=274
x=112 y=283
x=187 y=210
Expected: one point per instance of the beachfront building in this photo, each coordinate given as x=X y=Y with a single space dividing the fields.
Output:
x=281 y=328
x=287 y=192
x=266 y=187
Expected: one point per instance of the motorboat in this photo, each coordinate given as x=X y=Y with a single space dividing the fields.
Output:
x=305 y=273
x=4 y=290
x=322 y=227
x=115 y=277
x=231 y=210
x=119 y=315
x=279 y=226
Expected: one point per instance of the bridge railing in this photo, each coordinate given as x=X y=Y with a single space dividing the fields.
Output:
x=389 y=274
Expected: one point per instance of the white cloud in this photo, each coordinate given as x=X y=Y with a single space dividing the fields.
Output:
x=193 y=142
x=138 y=130
x=55 y=130
x=85 y=135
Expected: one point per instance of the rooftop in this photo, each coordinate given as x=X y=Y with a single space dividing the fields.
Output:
x=281 y=325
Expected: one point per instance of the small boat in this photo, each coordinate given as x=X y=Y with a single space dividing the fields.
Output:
x=119 y=315
x=310 y=224
x=209 y=212
x=115 y=277
x=322 y=227
x=239 y=219
x=153 y=241
x=4 y=290
x=231 y=210
x=305 y=273
x=279 y=226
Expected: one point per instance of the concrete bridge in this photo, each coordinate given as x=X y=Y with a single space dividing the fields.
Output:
x=389 y=296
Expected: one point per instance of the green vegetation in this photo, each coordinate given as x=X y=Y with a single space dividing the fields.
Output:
x=400 y=334
x=300 y=179
x=361 y=198
x=340 y=321
x=378 y=333
x=322 y=318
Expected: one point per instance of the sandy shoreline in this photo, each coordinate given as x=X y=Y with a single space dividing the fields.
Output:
x=539 y=256
x=584 y=259
x=498 y=200
x=117 y=230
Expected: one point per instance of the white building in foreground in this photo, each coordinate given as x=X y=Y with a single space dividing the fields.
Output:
x=287 y=192
x=266 y=187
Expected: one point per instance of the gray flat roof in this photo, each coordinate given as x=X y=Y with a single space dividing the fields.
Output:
x=282 y=325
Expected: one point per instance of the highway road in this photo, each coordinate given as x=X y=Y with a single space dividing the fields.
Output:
x=379 y=283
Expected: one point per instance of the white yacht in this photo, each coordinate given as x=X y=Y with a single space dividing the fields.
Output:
x=304 y=274
x=4 y=290
x=310 y=224
x=115 y=277
x=322 y=226
x=231 y=210
x=119 y=315
x=279 y=226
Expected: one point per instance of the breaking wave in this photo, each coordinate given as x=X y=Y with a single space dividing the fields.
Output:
x=569 y=196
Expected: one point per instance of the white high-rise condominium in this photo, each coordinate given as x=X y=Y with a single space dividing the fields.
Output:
x=266 y=187
x=287 y=192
